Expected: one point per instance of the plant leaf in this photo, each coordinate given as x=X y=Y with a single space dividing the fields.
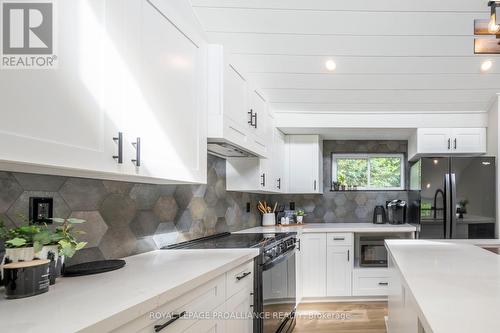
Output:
x=16 y=242
x=80 y=246
x=37 y=246
x=57 y=220
x=76 y=221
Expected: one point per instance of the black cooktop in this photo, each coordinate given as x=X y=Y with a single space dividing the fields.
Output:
x=232 y=241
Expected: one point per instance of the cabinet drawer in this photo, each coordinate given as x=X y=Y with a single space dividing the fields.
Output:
x=338 y=238
x=239 y=278
x=204 y=298
x=367 y=283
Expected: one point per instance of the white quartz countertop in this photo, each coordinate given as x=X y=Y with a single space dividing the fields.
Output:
x=333 y=227
x=97 y=303
x=456 y=284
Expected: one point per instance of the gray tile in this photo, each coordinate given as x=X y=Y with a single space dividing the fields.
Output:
x=21 y=206
x=118 y=210
x=220 y=188
x=183 y=196
x=329 y=216
x=233 y=215
x=85 y=255
x=167 y=190
x=210 y=218
x=10 y=190
x=93 y=229
x=145 y=195
x=36 y=182
x=144 y=223
x=117 y=187
x=197 y=229
x=83 y=194
x=144 y=244
x=166 y=208
x=117 y=243
x=184 y=222
x=211 y=197
x=221 y=225
x=197 y=208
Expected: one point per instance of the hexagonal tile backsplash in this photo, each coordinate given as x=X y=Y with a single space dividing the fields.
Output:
x=126 y=218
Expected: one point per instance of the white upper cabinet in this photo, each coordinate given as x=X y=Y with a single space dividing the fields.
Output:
x=305 y=163
x=447 y=141
x=237 y=114
x=58 y=120
x=124 y=66
x=469 y=140
x=249 y=174
x=278 y=161
x=165 y=101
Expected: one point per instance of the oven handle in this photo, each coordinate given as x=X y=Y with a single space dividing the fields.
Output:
x=277 y=260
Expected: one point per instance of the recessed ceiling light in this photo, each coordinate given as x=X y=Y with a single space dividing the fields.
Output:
x=486 y=65
x=330 y=65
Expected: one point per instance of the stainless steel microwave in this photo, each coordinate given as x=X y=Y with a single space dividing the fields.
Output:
x=372 y=252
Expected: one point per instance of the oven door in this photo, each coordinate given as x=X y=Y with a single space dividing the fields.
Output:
x=279 y=293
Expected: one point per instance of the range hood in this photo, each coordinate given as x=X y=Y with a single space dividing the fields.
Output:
x=225 y=149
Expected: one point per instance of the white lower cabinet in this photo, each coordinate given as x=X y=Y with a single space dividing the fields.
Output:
x=339 y=270
x=240 y=305
x=370 y=281
x=229 y=295
x=313 y=248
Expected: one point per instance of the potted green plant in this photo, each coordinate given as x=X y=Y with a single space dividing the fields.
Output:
x=299 y=215
x=30 y=242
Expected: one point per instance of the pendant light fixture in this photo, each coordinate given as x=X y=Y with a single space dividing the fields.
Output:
x=489 y=27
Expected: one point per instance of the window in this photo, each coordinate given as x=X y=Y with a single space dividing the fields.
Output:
x=369 y=171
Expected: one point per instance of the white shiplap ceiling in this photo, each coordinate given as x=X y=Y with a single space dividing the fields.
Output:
x=391 y=55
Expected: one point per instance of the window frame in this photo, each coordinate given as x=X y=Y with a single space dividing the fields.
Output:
x=368 y=157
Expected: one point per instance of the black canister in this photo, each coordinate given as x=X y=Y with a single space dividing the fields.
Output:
x=26 y=278
x=379 y=215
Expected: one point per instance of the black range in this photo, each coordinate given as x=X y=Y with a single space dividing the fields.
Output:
x=276 y=259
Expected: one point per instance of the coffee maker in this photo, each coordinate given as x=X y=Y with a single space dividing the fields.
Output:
x=396 y=211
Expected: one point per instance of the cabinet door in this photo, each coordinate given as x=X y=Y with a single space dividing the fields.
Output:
x=278 y=160
x=469 y=140
x=299 y=271
x=339 y=270
x=236 y=97
x=304 y=161
x=60 y=121
x=165 y=95
x=434 y=140
x=240 y=304
x=313 y=249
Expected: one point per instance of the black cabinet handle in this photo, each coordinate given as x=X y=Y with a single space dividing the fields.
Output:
x=455 y=143
x=315 y=185
x=263 y=180
x=137 y=145
x=449 y=144
x=250 y=113
x=348 y=255
x=119 y=141
x=175 y=317
x=255 y=118
x=242 y=276
x=279 y=184
x=383 y=283
x=338 y=238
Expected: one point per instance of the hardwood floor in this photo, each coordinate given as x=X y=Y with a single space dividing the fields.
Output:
x=349 y=317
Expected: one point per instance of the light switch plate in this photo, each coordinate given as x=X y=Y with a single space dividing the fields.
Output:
x=41 y=210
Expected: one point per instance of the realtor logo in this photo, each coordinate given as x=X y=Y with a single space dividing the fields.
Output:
x=28 y=34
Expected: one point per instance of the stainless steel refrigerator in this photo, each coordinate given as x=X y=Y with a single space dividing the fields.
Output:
x=453 y=197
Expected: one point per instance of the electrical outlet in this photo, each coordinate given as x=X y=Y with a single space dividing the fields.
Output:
x=41 y=210
x=292 y=205
x=248 y=207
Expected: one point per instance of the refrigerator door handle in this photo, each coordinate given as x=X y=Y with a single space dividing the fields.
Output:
x=453 y=205
x=447 y=196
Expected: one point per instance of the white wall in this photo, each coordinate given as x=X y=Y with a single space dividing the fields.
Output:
x=494 y=146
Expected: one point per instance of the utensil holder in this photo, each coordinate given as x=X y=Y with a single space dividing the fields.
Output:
x=268 y=219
